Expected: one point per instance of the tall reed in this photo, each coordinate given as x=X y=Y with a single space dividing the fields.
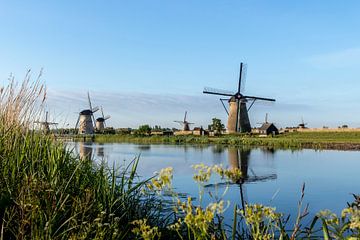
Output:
x=48 y=193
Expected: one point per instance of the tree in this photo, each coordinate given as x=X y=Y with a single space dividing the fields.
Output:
x=144 y=130
x=217 y=126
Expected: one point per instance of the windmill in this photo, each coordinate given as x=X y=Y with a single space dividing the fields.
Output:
x=45 y=125
x=184 y=123
x=302 y=124
x=86 y=119
x=100 y=122
x=238 y=120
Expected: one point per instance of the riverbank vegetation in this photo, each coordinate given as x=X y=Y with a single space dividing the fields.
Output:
x=316 y=140
x=47 y=192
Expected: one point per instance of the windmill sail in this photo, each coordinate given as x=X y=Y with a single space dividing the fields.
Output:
x=215 y=91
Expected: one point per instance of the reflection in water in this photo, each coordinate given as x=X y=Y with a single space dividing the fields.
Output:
x=144 y=147
x=100 y=150
x=239 y=159
x=218 y=149
x=85 y=150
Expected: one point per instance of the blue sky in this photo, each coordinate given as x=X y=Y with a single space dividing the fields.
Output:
x=148 y=61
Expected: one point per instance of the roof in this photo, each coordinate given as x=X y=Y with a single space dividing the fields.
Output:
x=266 y=126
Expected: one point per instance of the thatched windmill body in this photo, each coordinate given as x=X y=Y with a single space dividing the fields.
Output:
x=184 y=123
x=100 y=122
x=45 y=125
x=86 y=119
x=238 y=118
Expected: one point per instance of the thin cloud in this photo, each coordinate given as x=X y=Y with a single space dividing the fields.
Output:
x=339 y=59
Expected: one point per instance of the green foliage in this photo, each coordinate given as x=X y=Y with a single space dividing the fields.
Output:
x=217 y=126
x=143 y=130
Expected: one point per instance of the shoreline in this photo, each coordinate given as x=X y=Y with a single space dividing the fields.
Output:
x=348 y=141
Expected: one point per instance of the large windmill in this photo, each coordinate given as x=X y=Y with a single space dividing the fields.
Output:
x=86 y=119
x=45 y=125
x=184 y=123
x=238 y=120
x=100 y=122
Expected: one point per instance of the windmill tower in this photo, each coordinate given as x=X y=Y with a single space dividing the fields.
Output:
x=45 y=125
x=238 y=120
x=184 y=123
x=100 y=122
x=86 y=119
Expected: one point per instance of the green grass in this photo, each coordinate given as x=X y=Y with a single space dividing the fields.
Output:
x=317 y=140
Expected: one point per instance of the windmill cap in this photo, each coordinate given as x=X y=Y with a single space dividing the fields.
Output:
x=86 y=112
x=237 y=96
x=100 y=119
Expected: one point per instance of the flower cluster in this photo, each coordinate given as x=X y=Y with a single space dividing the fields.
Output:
x=261 y=220
x=233 y=174
x=162 y=181
x=144 y=230
x=204 y=173
x=199 y=219
x=354 y=217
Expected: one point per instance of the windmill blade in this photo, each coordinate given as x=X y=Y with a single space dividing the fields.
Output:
x=77 y=122
x=243 y=77
x=190 y=123
x=240 y=77
x=89 y=101
x=179 y=122
x=102 y=112
x=94 y=121
x=260 y=98
x=107 y=117
x=46 y=116
x=220 y=92
x=185 y=116
x=95 y=109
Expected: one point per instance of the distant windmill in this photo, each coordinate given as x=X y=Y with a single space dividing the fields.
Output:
x=45 y=125
x=100 y=122
x=184 y=123
x=302 y=124
x=238 y=120
x=86 y=119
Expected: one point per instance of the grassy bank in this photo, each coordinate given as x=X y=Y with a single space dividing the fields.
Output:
x=317 y=140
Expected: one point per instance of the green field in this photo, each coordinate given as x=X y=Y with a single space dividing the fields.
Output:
x=317 y=140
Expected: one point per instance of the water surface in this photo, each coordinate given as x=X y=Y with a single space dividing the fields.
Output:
x=271 y=177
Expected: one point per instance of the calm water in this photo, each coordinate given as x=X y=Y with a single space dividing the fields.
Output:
x=272 y=177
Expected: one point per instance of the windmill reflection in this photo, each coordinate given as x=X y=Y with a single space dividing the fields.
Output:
x=100 y=150
x=239 y=159
x=85 y=150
